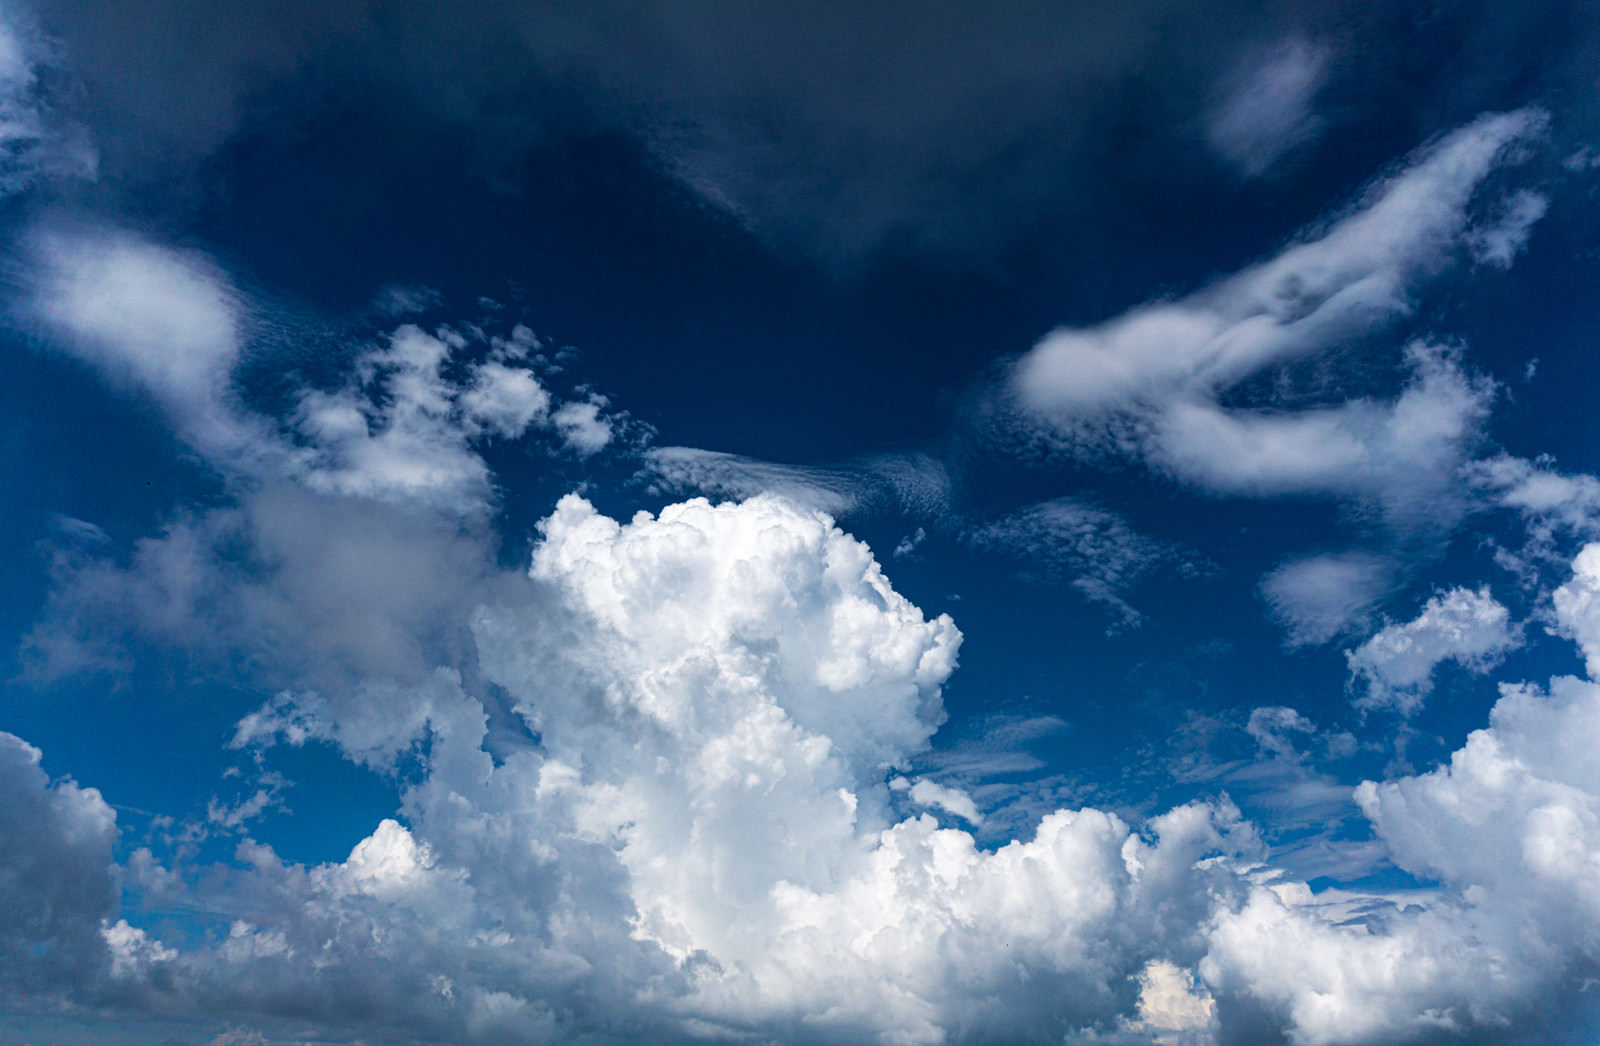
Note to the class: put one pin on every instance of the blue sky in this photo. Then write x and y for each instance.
(884, 523)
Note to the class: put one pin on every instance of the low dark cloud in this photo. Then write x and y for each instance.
(829, 129)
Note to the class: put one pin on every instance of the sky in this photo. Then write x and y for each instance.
(886, 523)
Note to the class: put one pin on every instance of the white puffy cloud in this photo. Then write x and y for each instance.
(1555, 507)
(759, 576)
(405, 430)
(707, 838)
(504, 400)
(358, 534)
(1396, 665)
(1172, 1007)
(1393, 974)
(704, 838)
(932, 794)
(1553, 500)
(1509, 828)
(581, 425)
(697, 834)
(1514, 818)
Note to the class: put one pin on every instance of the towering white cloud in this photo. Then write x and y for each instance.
(705, 837)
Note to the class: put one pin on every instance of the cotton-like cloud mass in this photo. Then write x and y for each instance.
(1395, 667)
(1577, 607)
(1506, 826)
(744, 676)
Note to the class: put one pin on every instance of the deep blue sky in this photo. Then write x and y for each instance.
(1223, 372)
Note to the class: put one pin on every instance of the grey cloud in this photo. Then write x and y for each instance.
(57, 880)
(832, 129)
(287, 584)
(828, 127)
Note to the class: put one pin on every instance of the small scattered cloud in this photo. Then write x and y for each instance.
(910, 543)
(582, 427)
(1394, 669)
(1499, 241)
(405, 300)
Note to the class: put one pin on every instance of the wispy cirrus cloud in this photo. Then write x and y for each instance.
(1078, 543)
